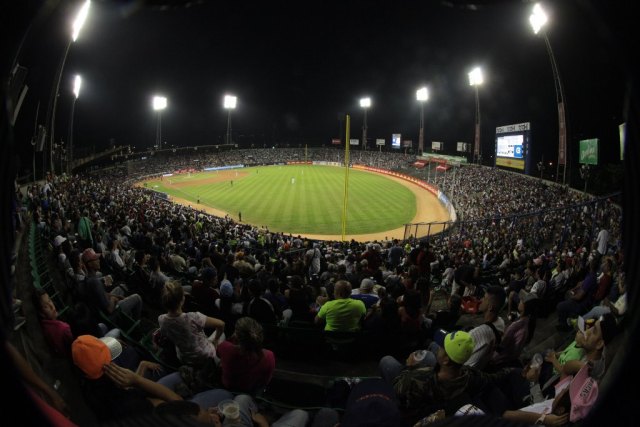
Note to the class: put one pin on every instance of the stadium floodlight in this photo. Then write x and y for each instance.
(422, 95)
(78, 23)
(77, 83)
(365, 103)
(229, 104)
(538, 20)
(476, 79)
(159, 103)
(81, 18)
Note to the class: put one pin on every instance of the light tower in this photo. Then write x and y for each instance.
(476, 79)
(159, 104)
(77, 83)
(422, 95)
(538, 20)
(230, 102)
(365, 103)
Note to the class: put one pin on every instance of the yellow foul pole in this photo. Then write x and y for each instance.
(346, 177)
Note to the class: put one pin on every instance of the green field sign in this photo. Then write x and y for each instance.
(589, 151)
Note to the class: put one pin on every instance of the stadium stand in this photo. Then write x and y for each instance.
(503, 239)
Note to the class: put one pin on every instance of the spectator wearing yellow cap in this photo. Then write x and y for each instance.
(422, 390)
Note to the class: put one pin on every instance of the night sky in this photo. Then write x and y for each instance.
(298, 67)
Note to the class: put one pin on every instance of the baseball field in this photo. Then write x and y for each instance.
(306, 199)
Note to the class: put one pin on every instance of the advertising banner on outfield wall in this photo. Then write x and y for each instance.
(324, 163)
(354, 141)
(335, 141)
(219, 168)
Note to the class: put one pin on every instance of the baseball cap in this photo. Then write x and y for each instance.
(226, 289)
(372, 402)
(90, 354)
(583, 392)
(89, 255)
(59, 240)
(114, 346)
(458, 345)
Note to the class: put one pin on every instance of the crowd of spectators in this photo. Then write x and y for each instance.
(121, 248)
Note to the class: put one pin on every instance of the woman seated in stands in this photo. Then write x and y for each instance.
(56, 332)
(518, 334)
(186, 330)
(411, 318)
(246, 366)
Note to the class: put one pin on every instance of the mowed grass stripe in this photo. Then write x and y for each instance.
(312, 205)
(313, 194)
(333, 199)
(262, 183)
(364, 206)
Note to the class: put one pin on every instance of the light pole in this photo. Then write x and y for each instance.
(77, 83)
(538, 19)
(475, 80)
(78, 23)
(422, 95)
(585, 171)
(159, 104)
(365, 103)
(230, 103)
(541, 167)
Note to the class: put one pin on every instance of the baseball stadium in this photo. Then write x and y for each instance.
(406, 261)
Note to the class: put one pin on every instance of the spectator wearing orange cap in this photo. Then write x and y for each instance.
(113, 392)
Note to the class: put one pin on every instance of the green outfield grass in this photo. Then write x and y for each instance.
(313, 204)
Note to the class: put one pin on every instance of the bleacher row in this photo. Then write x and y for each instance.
(296, 341)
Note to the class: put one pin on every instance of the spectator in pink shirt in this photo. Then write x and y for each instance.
(246, 366)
